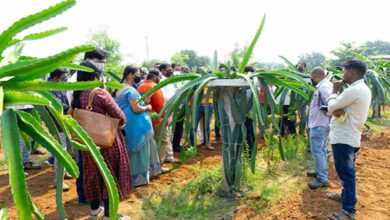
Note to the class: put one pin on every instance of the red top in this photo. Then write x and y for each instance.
(156, 100)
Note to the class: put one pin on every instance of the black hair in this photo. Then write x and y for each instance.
(163, 66)
(127, 71)
(233, 68)
(97, 53)
(174, 65)
(83, 76)
(151, 74)
(356, 65)
(58, 72)
(249, 69)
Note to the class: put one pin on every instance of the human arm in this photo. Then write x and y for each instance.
(339, 102)
(137, 108)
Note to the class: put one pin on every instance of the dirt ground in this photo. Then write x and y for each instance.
(373, 168)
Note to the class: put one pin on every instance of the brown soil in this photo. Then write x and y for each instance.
(373, 165)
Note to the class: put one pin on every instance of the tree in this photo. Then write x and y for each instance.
(376, 48)
(312, 59)
(194, 60)
(102, 40)
(180, 59)
(345, 52)
(237, 55)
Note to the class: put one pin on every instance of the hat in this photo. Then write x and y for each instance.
(145, 70)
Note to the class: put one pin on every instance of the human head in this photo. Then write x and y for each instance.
(301, 66)
(144, 72)
(317, 74)
(59, 75)
(165, 69)
(131, 75)
(176, 67)
(185, 69)
(354, 70)
(154, 75)
(83, 76)
(249, 69)
(97, 57)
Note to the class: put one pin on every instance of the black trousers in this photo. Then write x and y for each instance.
(250, 134)
(287, 124)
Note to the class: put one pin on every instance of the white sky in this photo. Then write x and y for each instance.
(292, 27)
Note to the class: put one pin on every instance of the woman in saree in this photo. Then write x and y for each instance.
(140, 144)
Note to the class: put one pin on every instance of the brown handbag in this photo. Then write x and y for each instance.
(101, 128)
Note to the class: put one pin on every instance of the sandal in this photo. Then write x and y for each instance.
(341, 215)
(99, 215)
(31, 166)
(334, 196)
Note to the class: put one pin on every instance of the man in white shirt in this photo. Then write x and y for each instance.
(168, 92)
(319, 127)
(350, 112)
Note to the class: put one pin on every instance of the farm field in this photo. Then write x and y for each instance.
(291, 200)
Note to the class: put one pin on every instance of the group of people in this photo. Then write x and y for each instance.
(135, 157)
(340, 116)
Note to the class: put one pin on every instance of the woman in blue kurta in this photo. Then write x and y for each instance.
(141, 146)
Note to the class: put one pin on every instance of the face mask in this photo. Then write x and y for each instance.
(176, 73)
(137, 79)
(157, 79)
(314, 83)
(301, 69)
(64, 79)
(99, 66)
(169, 74)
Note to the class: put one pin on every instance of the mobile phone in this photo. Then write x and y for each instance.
(324, 108)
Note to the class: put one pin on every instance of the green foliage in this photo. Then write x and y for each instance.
(102, 40)
(313, 59)
(345, 52)
(236, 97)
(20, 85)
(193, 60)
(251, 47)
(180, 59)
(377, 47)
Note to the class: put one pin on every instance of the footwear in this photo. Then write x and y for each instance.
(50, 161)
(210, 147)
(165, 170)
(334, 196)
(315, 184)
(178, 149)
(97, 214)
(65, 187)
(31, 166)
(173, 160)
(67, 176)
(342, 215)
(36, 152)
(311, 173)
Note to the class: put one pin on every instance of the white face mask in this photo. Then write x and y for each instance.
(176, 73)
(99, 66)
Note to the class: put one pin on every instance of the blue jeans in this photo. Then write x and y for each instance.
(25, 152)
(201, 113)
(318, 138)
(344, 160)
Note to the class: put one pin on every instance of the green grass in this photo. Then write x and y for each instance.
(199, 198)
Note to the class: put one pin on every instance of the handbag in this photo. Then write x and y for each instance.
(101, 128)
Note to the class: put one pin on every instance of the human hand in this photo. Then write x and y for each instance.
(148, 108)
(337, 86)
(338, 113)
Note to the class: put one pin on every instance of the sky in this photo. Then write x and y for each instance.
(291, 28)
